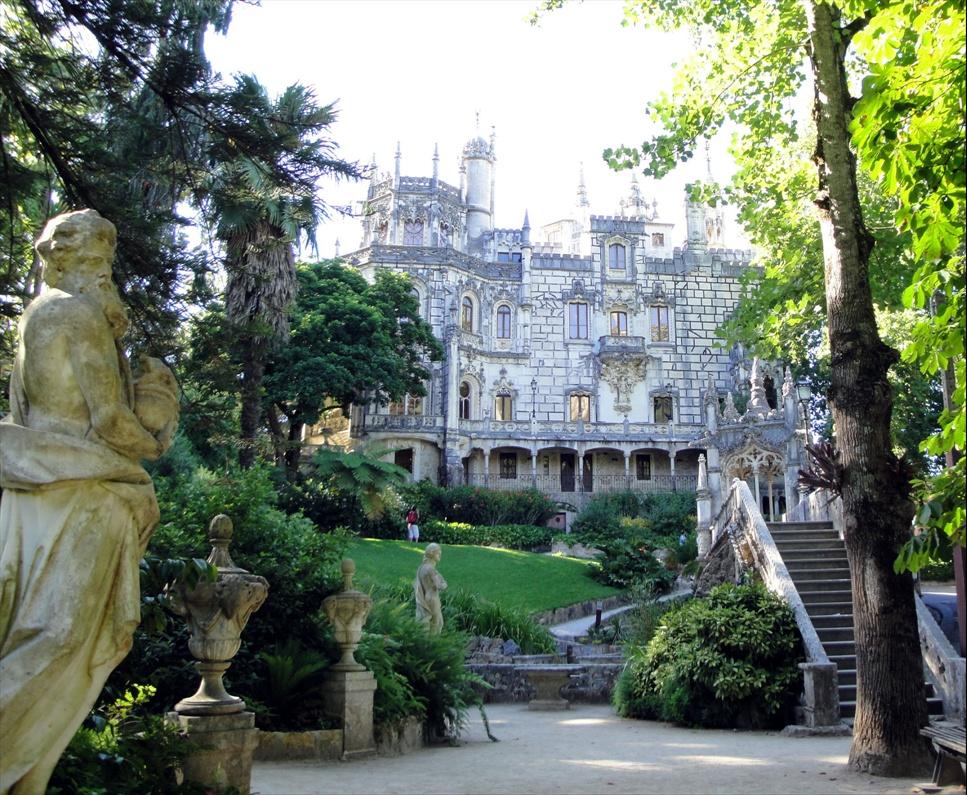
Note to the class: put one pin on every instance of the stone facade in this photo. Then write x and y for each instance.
(579, 363)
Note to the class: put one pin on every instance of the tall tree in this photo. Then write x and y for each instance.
(263, 201)
(352, 343)
(907, 125)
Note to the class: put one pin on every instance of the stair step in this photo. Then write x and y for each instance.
(840, 648)
(809, 583)
(832, 620)
(780, 536)
(825, 596)
(846, 676)
(834, 569)
(828, 609)
(843, 662)
(832, 634)
(794, 526)
(788, 546)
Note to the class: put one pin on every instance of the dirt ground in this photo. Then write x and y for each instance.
(588, 750)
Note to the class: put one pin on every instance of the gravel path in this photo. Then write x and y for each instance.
(589, 750)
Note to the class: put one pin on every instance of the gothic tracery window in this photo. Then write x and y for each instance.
(660, 327)
(464, 400)
(466, 314)
(664, 412)
(413, 233)
(579, 407)
(503, 322)
(503, 408)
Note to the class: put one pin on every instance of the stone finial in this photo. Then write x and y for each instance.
(731, 413)
(525, 230)
(347, 611)
(788, 385)
(702, 483)
(397, 158)
(582, 190)
(436, 162)
(758, 405)
(216, 613)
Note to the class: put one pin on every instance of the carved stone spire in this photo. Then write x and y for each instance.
(582, 200)
(758, 405)
(436, 162)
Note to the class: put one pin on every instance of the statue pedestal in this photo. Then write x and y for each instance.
(225, 743)
(348, 697)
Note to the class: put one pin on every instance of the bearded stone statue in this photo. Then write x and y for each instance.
(77, 507)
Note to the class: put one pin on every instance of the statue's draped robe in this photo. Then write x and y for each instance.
(75, 518)
(426, 591)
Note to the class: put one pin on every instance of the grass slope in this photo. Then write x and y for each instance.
(511, 578)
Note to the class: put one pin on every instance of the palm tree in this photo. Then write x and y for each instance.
(262, 203)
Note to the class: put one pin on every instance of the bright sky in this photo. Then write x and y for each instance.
(418, 71)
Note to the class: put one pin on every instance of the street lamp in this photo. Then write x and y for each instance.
(533, 398)
(804, 395)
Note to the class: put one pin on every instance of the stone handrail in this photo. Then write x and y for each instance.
(742, 521)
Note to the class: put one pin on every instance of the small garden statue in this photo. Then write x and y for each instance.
(429, 582)
(77, 508)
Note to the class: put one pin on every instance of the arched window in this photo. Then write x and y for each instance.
(464, 400)
(616, 256)
(664, 409)
(466, 314)
(579, 407)
(413, 233)
(770, 387)
(503, 322)
(619, 324)
(503, 408)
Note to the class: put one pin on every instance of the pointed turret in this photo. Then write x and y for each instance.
(582, 198)
(396, 170)
(525, 230)
(436, 164)
(478, 163)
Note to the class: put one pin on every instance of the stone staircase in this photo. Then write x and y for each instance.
(816, 559)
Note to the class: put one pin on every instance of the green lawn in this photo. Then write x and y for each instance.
(511, 578)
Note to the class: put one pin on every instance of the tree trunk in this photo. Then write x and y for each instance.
(293, 450)
(278, 436)
(253, 368)
(877, 511)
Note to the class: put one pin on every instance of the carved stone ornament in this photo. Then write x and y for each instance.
(622, 374)
(347, 611)
(216, 613)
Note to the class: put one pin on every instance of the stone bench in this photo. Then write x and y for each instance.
(548, 680)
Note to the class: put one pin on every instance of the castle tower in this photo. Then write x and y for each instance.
(478, 162)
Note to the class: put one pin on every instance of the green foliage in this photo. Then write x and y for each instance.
(300, 564)
(474, 505)
(417, 673)
(643, 620)
(351, 343)
(361, 475)
(729, 660)
(512, 536)
(624, 565)
(656, 518)
(331, 508)
(467, 612)
(291, 689)
(123, 749)
(511, 578)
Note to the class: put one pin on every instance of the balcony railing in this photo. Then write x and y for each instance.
(562, 485)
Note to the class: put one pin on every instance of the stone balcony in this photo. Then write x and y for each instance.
(601, 433)
(621, 346)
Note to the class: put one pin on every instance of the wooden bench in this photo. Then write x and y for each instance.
(949, 743)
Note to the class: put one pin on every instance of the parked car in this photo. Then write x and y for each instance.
(943, 608)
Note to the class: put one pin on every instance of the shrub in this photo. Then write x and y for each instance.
(122, 749)
(290, 689)
(512, 536)
(475, 505)
(417, 673)
(729, 660)
(469, 613)
(655, 518)
(624, 565)
(300, 564)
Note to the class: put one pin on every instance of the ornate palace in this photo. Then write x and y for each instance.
(580, 357)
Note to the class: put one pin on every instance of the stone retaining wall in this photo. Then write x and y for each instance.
(509, 683)
(325, 745)
(579, 610)
(322, 744)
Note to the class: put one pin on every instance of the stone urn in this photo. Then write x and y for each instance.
(216, 613)
(347, 611)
